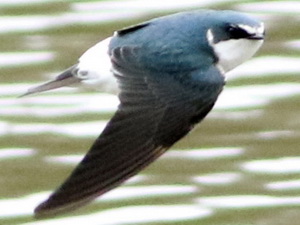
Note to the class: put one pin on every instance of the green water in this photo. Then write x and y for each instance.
(241, 166)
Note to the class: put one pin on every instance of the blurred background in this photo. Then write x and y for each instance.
(241, 166)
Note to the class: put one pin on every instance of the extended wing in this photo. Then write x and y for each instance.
(64, 79)
(156, 110)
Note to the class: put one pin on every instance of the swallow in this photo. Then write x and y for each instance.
(168, 73)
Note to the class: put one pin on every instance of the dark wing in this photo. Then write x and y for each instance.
(156, 110)
(64, 79)
(133, 28)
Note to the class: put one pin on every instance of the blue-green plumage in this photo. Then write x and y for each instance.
(173, 42)
(170, 72)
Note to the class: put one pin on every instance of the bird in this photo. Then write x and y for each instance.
(168, 73)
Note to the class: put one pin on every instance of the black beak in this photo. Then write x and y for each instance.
(257, 36)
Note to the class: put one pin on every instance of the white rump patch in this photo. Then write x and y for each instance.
(95, 68)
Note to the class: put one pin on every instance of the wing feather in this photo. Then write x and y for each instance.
(156, 110)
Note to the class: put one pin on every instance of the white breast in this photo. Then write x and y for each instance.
(233, 52)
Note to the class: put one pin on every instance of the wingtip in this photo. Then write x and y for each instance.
(52, 208)
(31, 91)
(40, 212)
(44, 210)
(25, 94)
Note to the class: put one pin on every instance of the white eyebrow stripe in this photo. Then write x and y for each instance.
(252, 30)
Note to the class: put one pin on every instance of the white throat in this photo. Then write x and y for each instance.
(233, 52)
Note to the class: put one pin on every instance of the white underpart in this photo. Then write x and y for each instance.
(94, 68)
(234, 52)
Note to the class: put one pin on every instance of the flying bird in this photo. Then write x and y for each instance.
(169, 72)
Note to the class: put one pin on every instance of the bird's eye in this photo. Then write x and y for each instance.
(237, 32)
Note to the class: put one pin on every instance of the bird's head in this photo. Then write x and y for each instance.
(234, 37)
